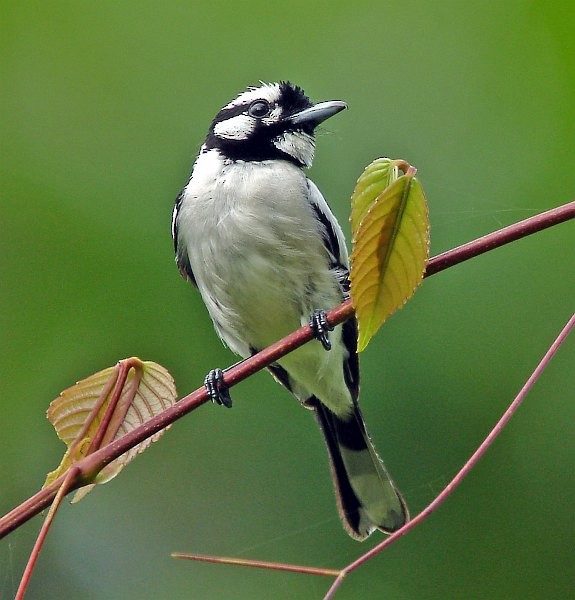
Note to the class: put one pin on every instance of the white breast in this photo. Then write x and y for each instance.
(255, 249)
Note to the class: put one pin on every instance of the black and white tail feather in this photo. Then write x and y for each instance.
(259, 241)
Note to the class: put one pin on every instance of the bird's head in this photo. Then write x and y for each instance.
(273, 121)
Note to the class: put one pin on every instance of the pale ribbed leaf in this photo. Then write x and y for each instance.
(390, 248)
(105, 406)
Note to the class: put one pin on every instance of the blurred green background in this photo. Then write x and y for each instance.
(103, 108)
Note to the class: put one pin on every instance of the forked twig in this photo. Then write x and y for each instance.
(61, 494)
(466, 467)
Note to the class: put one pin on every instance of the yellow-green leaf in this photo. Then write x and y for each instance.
(375, 178)
(390, 249)
(105, 406)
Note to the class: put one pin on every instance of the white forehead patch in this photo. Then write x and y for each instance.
(239, 127)
(268, 91)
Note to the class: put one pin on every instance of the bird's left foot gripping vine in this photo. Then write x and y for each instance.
(217, 389)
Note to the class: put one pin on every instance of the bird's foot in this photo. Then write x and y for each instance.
(217, 389)
(320, 327)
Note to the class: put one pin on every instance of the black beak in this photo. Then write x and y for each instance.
(317, 113)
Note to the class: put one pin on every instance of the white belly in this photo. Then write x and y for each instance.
(259, 261)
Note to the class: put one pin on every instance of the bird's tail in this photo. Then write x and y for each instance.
(366, 496)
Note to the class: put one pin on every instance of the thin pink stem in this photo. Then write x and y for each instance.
(260, 564)
(466, 467)
(63, 490)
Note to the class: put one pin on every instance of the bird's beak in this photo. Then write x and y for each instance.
(317, 113)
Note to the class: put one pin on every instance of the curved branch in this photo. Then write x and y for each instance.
(501, 237)
(86, 468)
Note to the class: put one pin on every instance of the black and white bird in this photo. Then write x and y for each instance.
(258, 240)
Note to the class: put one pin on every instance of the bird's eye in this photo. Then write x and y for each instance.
(259, 109)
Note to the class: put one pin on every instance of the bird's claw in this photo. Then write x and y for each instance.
(217, 389)
(320, 327)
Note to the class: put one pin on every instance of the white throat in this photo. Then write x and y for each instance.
(298, 144)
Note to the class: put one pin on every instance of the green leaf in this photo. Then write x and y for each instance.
(375, 178)
(105, 406)
(390, 244)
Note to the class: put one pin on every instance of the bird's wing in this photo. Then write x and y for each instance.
(333, 238)
(334, 242)
(181, 251)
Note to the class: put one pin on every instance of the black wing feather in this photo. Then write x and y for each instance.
(330, 239)
(182, 259)
(349, 329)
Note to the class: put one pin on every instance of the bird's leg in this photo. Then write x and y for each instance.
(217, 389)
(320, 327)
